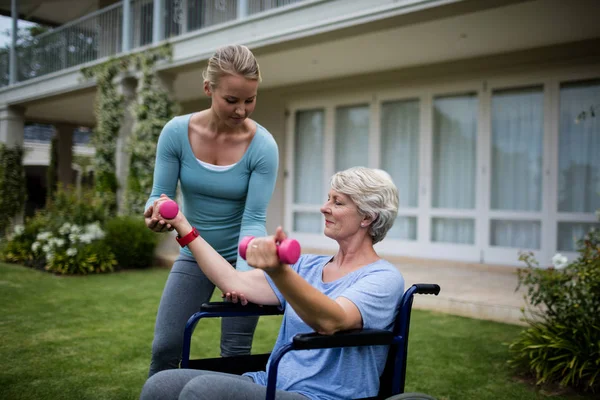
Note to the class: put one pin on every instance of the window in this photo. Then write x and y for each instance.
(351, 137)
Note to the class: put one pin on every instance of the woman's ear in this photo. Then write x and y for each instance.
(366, 221)
(207, 88)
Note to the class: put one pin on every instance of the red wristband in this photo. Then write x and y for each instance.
(184, 241)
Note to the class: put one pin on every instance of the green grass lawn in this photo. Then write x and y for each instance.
(90, 338)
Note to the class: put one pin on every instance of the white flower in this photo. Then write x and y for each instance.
(19, 229)
(46, 248)
(59, 242)
(86, 238)
(559, 261)
(44, 235)
(74, 237)
(71, 252)
(35, 246)
(65, 228)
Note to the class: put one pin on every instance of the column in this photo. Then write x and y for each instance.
(14, 12)
(64, 133)
(126, 45)
(158, 21)
(12, 125)
(242, 9)
(127, 86)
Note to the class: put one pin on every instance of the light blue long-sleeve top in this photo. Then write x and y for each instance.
(224, 205)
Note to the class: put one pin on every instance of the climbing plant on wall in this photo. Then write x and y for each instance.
(13, 192)
(52, 173)
(109, 115)
(152, 110)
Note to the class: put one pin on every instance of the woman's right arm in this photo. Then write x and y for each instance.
(253, 284)
(166, 173)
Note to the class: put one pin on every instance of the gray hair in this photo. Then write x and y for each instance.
(231, 60)
(375, 195)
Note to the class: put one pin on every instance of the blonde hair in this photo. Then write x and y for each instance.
(231, 60)
(375, 195)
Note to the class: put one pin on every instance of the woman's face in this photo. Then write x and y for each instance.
(342, 218)
(234, 98)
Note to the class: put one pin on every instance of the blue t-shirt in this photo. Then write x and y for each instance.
(224, 205)
(344, 373)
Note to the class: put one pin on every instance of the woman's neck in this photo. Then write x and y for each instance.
(352, 257)
(217, 126)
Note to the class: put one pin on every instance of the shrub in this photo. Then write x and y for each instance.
(74, 249)
(131, 241)
(17, 249)
(76, 207)
(562, 343)
(13, 191)
(66, 237)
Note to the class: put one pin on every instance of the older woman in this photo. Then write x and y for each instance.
(353, 289)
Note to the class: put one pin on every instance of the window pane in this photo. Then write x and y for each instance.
(400, 148)
(570, 232)
(308, 159)
(517, 149)
(404, 228)
(351, 137)
(454, 152)
(518, 234)
(308, 222)
(579, 148)
(453, 230)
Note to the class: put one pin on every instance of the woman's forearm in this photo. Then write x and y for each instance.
(252, 284)
(318, 311)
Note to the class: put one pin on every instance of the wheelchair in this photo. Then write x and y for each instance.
(391, 382)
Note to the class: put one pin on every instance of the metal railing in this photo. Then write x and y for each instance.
(100, 34)
(87, 39)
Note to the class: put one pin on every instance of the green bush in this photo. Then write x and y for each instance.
(76, 207)
(131, 241)
(562, 343)
(13, 192)
(66, 237)
(74, 249)
(17, 249)
(94, 257)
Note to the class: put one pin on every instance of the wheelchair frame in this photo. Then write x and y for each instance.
(392, 380)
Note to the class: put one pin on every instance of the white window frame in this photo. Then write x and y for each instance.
(482, 87)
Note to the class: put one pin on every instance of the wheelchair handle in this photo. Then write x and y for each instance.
(427, 288)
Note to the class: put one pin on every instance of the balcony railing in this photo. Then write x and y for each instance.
(100, 34)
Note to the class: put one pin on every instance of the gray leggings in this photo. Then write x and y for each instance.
(187, 288)
(188, 384)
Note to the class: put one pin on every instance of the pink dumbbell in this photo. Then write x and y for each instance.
(288, 251)
(168, 209)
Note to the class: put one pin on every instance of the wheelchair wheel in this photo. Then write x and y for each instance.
(411, 396)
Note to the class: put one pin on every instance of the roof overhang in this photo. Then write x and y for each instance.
(53, 12)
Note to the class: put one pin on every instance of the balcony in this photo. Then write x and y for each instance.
(108, 32)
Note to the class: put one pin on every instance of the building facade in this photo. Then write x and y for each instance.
(484, 112)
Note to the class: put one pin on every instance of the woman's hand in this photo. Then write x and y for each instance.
(235, 297)
(262, 252)
(155, 222)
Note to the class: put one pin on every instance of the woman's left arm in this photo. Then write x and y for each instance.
(324, 314)
(320, 312)
(260, 190)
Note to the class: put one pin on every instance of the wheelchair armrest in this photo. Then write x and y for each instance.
(358, 337)
(250, 308)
